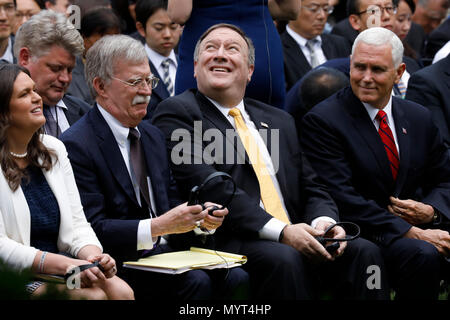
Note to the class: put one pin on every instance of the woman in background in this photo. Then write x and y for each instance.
(255, 17)
(40, 210)
(402, 25)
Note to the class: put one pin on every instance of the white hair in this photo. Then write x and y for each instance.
(45, 29)
(378, 36)
(103, 56)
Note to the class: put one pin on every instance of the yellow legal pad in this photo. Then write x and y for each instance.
(182, 261)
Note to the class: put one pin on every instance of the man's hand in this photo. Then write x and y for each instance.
(215, 220)
(302, 237)
(335, 233)
(180, 219)
(411, 211)
(439, 238)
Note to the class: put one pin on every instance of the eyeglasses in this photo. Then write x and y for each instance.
(9, 8)
(315, 9)
(150, 81)
(376, 10)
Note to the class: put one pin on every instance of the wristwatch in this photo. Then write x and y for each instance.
(436, 216)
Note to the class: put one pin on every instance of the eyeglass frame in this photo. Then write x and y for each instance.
(316, 11)
(382, 9)
(139, 82)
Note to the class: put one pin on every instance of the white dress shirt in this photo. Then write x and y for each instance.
(144, 236)
(272, 229)
(302, 44)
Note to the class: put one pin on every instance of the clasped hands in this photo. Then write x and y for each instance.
(92, 276)
(303, 238)
(417, 213)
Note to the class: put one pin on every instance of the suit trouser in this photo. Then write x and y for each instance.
(278, 271)
(415, 268)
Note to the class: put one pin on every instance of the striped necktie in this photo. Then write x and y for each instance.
(166, 77)
(402, 88)
(269, 195)
(314, 59)
(389, 144)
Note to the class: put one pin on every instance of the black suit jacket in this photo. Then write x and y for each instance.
(78, 86)
(344, 29)
(76, 108)
(430, 87)
(105, 186)
(304, 197)
(345, 149)
(295, 63)
(437, 39)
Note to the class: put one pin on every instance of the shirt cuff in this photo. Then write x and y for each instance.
(145, 241)
(272, 230)
(322, 218)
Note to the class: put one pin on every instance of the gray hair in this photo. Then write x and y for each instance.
(45, 29)
(251, 47)
(102, 57)
(378, 36)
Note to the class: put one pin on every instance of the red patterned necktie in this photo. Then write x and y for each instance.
(389, 144)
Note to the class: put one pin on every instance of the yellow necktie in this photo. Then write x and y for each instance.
(269, 194)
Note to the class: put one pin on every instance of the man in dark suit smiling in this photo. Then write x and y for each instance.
(279, 207)
(386, 165)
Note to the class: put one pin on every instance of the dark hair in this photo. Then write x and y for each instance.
(146, 8)
(352, 7)
(248, 41)
(410, 4)
(320, 83)
(38, 154)
(99, 20)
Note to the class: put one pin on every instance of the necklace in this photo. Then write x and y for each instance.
(19, 155)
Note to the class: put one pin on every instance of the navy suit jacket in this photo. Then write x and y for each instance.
(430, 87)
(105, 186)
(345, 149)
(304, 197)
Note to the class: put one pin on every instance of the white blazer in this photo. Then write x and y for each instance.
(74, 231)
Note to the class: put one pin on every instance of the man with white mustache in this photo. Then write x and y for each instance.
(47, 45)
(122, 172)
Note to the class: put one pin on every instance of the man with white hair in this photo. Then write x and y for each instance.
(386, 166)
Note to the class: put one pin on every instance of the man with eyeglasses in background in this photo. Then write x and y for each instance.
(304, 44)
(365, 14)
(7, 12)
(122, 171)
(25, 9)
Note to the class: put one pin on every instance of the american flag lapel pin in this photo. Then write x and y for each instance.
(265, 125)
(404, 131)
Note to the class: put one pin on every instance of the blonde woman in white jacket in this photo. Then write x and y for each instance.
(42, 223)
